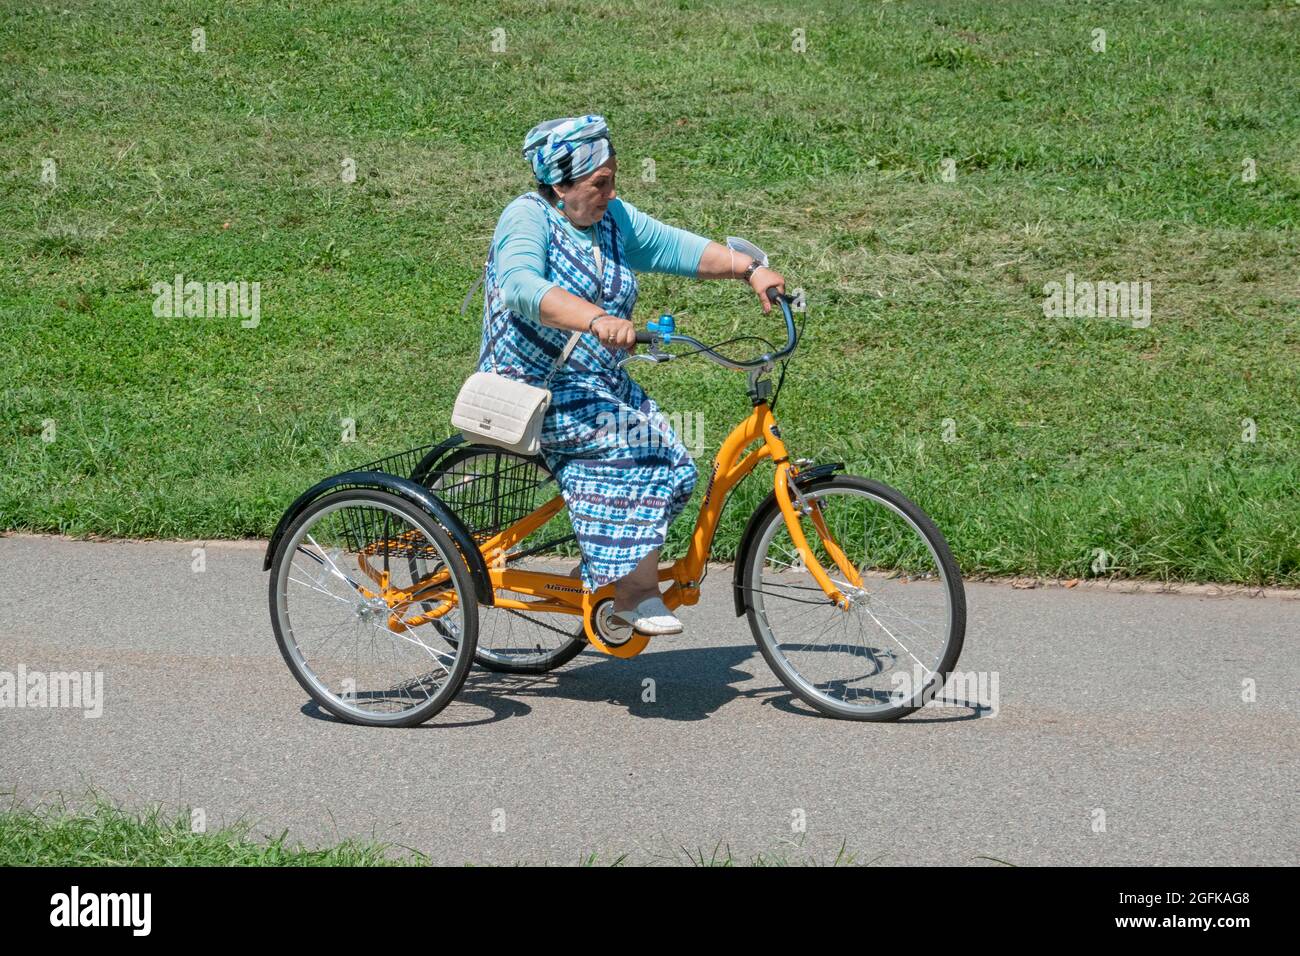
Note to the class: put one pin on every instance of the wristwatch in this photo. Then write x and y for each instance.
(753, 265)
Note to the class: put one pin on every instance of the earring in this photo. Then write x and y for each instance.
(559, 204)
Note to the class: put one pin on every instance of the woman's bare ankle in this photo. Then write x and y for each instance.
(625, 601)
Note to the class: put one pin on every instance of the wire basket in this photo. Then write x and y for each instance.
(403, 463)
(373, 532)
(487, 488)
(491, 489)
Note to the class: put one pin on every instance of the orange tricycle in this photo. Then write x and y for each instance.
(389, 580)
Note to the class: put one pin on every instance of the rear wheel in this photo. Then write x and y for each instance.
(893, 648)
(489, 488)
(346, 580)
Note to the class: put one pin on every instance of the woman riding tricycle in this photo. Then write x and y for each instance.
(389, 580)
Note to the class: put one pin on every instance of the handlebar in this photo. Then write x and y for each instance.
(776, 297)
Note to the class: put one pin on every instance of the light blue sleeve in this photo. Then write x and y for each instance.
(653, 246)
(520, 242)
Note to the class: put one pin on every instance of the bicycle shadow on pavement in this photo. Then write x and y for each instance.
(683, 684)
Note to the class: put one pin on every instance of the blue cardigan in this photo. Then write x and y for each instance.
(522, 233)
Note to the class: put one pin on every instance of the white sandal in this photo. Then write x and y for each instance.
(651, 616)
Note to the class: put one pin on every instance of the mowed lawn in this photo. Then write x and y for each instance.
(818, 130)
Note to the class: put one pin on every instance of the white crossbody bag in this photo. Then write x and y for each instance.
(503, 411)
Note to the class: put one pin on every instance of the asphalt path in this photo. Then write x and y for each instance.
(1123, 728)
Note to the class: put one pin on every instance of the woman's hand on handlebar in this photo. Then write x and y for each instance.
(615, 332)
(762, 280)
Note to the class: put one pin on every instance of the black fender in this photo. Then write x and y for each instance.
(807, 479)
(435, 455)
(405, 488)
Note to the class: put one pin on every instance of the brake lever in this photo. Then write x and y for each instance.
(654, 358)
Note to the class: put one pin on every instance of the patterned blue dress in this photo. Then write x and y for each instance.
(622, 471)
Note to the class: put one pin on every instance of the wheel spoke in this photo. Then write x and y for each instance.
(330, 594)
(418, 643)
(878, 604)
(900, 643)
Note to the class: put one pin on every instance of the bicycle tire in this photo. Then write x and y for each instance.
(769, 645)
(450, 556)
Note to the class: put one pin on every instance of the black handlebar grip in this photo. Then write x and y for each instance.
(644, 338)
(772, 293)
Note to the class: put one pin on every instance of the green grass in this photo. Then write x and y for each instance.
(100, 832)
(924, 295)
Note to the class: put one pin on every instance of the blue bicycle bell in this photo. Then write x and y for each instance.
(664, 328)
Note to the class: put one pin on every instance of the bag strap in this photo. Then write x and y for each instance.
(600, 298)
(573, 339)
(563, 356)
(482, 278)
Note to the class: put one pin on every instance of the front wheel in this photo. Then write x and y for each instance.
(893, 648)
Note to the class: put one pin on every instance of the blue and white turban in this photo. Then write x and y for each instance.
(567, 148)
